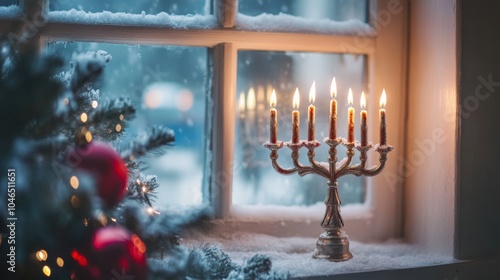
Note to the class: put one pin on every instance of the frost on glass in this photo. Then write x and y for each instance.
(8, 2)
(338, 10)
(174, 7)
(168, 87)
(255, 180)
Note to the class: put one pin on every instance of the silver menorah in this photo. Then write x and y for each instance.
(333, 244)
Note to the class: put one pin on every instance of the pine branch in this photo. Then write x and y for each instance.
(154, 140)
(87, 67)
(104, 119)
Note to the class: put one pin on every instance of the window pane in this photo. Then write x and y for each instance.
(255, 180)
(338, 10)
(174, 7)
(8, 2)
(168, 86)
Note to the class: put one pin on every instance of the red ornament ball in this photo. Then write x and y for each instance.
(115, 254)
(107, 168)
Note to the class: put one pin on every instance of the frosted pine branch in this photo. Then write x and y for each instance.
(87, 67)
(154, 140)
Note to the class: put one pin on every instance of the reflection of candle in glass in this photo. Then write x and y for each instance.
(311, 117)
(295, 117)
(350, 118)
(241, 105)
(274, 120)
(333, 110)
(364, 126)
(383, 132)
(251, 104)
(251, 99)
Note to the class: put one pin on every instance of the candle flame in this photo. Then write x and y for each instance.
(296, 99)
(333, 88)
(362, 102)
(273, 99)
(312, 93)
(251, 99)
(350, 98)
(241, 103)
(383, 99)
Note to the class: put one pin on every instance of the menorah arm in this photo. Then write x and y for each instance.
(345, 166)
(281, 170)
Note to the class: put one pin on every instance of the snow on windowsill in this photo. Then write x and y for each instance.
(296, 213)
(288, 23)
(10, 12)
(162, 19)
(293, 254)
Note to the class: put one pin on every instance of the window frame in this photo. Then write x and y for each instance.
(386, 53)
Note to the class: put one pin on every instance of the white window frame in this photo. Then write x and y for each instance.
(386, 53)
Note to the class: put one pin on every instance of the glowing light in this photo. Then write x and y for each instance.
(273, 99)
(94, 104)
(350, 98)
(122, 117)
(60, 262)
(184, 100)
(85, 222)
(362, 102)
(241, 102)
(296, 99)
(118, 128)
(103, 219)
(383, 99)
(82, 260)
(42, 255)
(144, 189)
(46, 270)
(251, 102)
(312, 93)
(131, 158)
(88, 136)
(154, 98)
(152, 211)
(333, 88)
(139, 245)
(73, 181)
(66, 101)
(83, 117)
(114, 220)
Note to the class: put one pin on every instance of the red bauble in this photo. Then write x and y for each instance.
(115, 254)
(107, 168)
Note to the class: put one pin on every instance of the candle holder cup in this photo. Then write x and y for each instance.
(333, 244)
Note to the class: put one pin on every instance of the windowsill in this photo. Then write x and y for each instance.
(293, 254)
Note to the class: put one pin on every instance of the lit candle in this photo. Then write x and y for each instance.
(383, 132)
(364, 126)
(333, 110)
(311, 117)
(350, 118)
(295, 117)
(241, 105)
(274, 119)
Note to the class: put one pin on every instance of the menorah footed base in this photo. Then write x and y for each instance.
(333, 245)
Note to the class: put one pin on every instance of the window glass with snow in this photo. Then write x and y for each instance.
(171, 7)
(338, 10)
(259, 72)
(167, 85)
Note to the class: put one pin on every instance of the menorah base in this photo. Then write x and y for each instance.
(333, 246)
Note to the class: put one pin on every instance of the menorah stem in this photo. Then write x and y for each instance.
(332, 244)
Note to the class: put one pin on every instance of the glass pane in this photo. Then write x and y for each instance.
(255, 180)
(8, 2)
(338, 10)
(168, 86)
(174, 7)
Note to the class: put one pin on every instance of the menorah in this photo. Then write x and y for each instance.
(333, 243)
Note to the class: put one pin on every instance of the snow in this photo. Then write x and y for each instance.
(9, 12)
(293, 254)
(286, 22)
(162, 19)
(297, 213)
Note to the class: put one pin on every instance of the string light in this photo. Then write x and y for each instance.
(122, 117)
(46, 270)
(42, 255)
(118, 128)
(85, 222)
(73, 181)
(144, 189)
(83, 117)
(114, 220)
(75, 201)
(131, 157)
(88, 136)
(60, 262)
(66, 101)
(94, 104)
(152, 211)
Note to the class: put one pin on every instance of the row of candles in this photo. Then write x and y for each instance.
(311, 117)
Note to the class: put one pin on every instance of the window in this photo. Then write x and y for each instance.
(362, 39)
